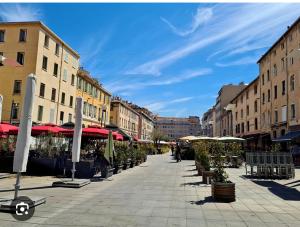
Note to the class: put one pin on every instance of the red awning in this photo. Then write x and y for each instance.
(43, 129)
(119, 137)
(95, 131)
(135, 138)
(6, 127)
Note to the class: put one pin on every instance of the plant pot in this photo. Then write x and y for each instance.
(42, 166)
(207, 176)
(223, 192)
(132, 163)
(118, 168)
(200, 171)
(126, 165)
(107, 172)
(138, 162)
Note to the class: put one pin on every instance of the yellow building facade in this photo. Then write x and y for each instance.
(96, 106)
(40, 51)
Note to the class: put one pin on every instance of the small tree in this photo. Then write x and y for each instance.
(218, 150)
(157, 136)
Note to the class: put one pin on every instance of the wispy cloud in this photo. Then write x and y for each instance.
(159, 106)
(242, 61)
(19, 12)
(241, 26)
(129, 83)
(202, 16)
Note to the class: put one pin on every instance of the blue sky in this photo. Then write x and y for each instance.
(171, 58)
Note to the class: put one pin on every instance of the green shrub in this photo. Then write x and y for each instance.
(201, 149)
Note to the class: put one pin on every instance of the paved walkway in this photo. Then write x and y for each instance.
(158, 193)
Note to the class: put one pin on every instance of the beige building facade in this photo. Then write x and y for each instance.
(279, 70)
(125, 117)
(40, 51)
(208, 123)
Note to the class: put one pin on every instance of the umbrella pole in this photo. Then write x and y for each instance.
(17, 185)
(73, 171)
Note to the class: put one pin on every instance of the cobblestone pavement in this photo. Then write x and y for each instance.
(157, 193)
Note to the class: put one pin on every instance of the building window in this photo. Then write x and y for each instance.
(291, 38)
(73, 80)
(263, 98)
(255, 106)
(15, 111)
(255, 89)
(63, 97)
(283, 87)
(247, 95)
(71, 101)
(276, 116)
(282, 64)
(275, 70)
(70, 118)
(263, 79)
(53, 95)
(269, 95)
(22, 35)
(248, 126)
(55, 69)
(275, 92)
(61, 117)
(65, 75)
(291, 60)
(293, 111)
(17, 87)
(20, 58)
(283, 113)
(57, 49)
(243, 127)
(2, 36)
(292, 83)
(242, 113)
(247, 110)
(274, 134)
(42, 90)
(282, 45)
(45, 63)
(255, 123)
(268, 75)
(46, 41)
(40, 113)
(236, 115)
(66, 57)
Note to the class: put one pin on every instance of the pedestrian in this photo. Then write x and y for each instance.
(172, 149)
(178, 153)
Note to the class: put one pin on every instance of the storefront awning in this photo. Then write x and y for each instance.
(288, 137)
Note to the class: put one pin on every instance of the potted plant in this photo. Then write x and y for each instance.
(222, 189)
(119, 158)
(234, 151)
(132, 156)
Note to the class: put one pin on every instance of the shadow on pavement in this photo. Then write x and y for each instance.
(24, 189)
(194, 175)
(192, 183)
(280, 190)
(192, 170)
(208, 199)
(293, 182)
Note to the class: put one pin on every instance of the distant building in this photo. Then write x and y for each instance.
(208, 122)
(175, 128)
(225, 95)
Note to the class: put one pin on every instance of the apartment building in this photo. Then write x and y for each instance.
(96, 99)
(279, 74)
(40, 51)
(225, 95)
(175, 128)
(146, 122)
(124, 117)
(208, 122)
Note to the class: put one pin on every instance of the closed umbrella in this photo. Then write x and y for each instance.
(23, 140)
(109, 149)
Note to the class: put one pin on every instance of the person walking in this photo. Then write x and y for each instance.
(178, 153)
(172, 149)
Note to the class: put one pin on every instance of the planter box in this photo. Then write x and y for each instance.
(223, 192)
(132, 164)
(85, 169)
(138, 162)
(6, 164)
(42, 166)
(207, 176)
(126, 165)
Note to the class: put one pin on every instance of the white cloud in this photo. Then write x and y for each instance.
(202, 16)
(242, 61)
(129, 83)
(19, 12)
(234, 25)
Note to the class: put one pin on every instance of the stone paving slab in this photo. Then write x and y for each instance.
(158, 193)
